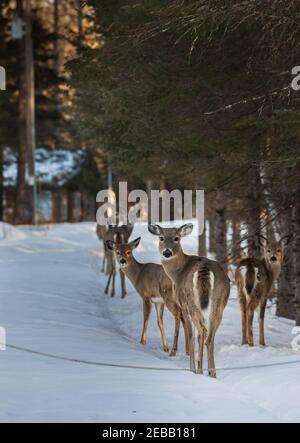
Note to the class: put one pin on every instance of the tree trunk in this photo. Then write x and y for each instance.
(56, 205)
(212, 231)
(221, 231)
(20, 215)
(236, 241)
(70, 206)
(286, 281)
(56, 65)
(253, 213)
(202, 242)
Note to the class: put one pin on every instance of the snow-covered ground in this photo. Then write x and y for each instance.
(52, 300)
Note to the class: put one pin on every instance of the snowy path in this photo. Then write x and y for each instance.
(52, 300)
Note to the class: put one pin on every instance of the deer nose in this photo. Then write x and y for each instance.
(122, 261)
(167, 253)
(273, 258)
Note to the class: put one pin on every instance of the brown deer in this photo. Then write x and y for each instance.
(101, 231)
(124, 233)
(254, 279)
(153, 285)
(202, 289)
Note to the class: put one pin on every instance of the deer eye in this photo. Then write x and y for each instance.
(118, 252)
(278, 250)
(161, 239)
(269, 250)
(176, 239)
(127, 252)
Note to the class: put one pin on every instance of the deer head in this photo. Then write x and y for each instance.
(123, 251)
(273, 251)
(169, 239)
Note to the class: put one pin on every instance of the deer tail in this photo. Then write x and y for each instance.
(250, 278)
(203, 283)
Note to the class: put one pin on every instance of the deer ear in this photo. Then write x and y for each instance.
(186, 229)
(286, 239)
(154, 229)
(134, 244)
(110, 245)
(262, 240)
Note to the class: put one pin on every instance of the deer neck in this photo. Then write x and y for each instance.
(174, 265)
(133, 269)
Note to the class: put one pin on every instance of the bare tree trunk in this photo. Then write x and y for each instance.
(236, 241)
(221, 231)
(297, 256)
(149, 186)
(56, 205)
(20, 204)
(212, 231)
(286, 282)
(202, 250)
(70, 206)
(56, 65)
(253, 213)
(83, 216)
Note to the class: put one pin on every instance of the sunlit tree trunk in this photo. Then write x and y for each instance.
(221, 230)
(212, 230)
(253, 212)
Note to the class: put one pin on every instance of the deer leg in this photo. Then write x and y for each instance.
(123, 286)
(250, 315)
(244, 321)
(160, 314)
(176, 311)
(201, 337)
(147, 310)
(112, 294)
(176, 335)
(214, 322)
(186, 336)
(199, 323)
(103, 262)
(189, 327)
(262, 310)
(108, 283)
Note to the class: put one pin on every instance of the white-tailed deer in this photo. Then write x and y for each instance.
(153, 285)
(202, 289)
(101, 231)
(254, 279)
(124, 233)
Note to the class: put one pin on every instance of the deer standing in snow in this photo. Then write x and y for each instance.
(254, 279)
(153, 285)
(202, 289)
(101, 231)
(124, 233)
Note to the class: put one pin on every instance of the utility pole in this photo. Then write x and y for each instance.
(30, 109)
